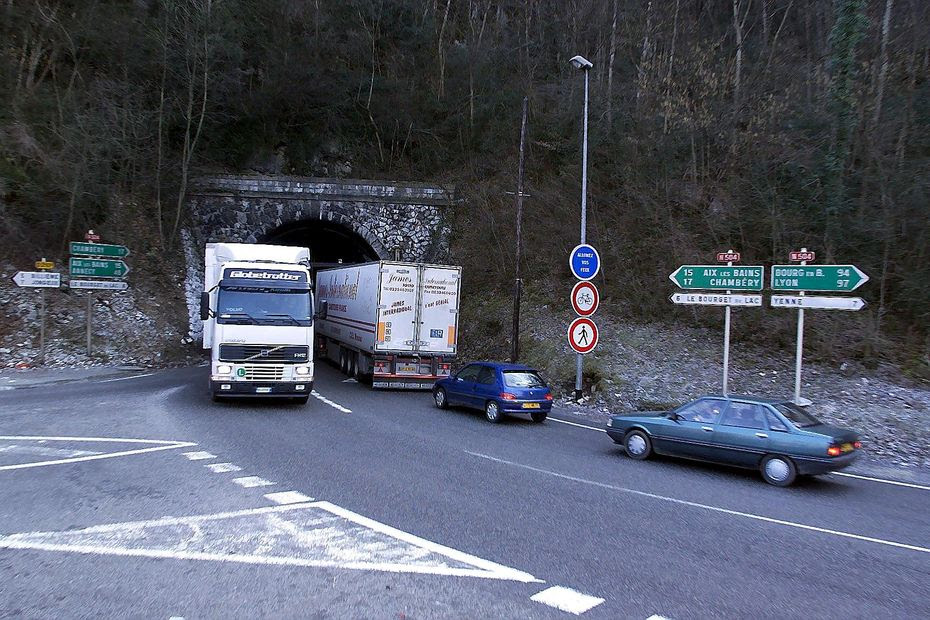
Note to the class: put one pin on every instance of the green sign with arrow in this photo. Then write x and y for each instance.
(99, 249)
(825, 278)
(718, 278)
(97, 268)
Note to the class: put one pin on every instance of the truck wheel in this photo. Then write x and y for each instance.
(343, 363)
(215, 397)
(301, 400)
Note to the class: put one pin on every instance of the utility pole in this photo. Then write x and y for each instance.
(518, 283)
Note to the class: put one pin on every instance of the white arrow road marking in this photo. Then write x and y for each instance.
(317, 534)
(683, 502)
(156, 445)
(566, 599)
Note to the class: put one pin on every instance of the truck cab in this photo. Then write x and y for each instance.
(258, 321)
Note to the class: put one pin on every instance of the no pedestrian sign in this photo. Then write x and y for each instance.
(584, 261)
(585, 298)
(582, 335)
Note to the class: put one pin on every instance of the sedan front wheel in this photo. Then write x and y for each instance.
(439, 396)
(638, 445)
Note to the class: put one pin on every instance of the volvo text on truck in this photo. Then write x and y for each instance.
(257, 309)
(391, 322)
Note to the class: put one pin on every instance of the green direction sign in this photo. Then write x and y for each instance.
(825, 278)
(99, 249)
(718, 278)
(97, 268)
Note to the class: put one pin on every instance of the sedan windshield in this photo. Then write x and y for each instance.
(523, 378)
(264, 306)
(796, 415)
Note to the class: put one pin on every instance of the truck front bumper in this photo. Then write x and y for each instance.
(261, 388)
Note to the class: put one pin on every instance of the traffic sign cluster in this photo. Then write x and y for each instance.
(585, 263)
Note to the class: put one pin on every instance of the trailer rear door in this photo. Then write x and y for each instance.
(397, 308)
(439, 309)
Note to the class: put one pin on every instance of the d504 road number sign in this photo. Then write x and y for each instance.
(718, 278)
(715, 299)
(825, 278)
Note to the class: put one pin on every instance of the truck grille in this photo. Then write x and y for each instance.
(263, 372)
(264, 353)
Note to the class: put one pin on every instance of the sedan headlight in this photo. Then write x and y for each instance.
(302, 370)
(223, 369)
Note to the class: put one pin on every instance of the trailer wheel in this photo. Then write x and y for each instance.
(343, 362)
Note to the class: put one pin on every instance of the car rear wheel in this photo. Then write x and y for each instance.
(440, 398)
(638, 445)
(492, 411)
(539, 416)
(778, 470)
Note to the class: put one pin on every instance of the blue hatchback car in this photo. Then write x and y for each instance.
(496, 389)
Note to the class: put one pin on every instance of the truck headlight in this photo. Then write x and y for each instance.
(223, 369)
(302, 370)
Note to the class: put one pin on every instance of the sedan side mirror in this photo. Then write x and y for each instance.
(674, 417)
(204, 306)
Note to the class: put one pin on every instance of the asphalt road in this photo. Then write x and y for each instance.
(367, 504)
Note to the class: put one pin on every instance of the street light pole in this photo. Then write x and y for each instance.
(518, 283)
(581, 63)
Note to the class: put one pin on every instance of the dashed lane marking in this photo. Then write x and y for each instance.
(250, 482)
(682, 502)
(566, 599)
(657, 617)
(590, 428)
(317, 534)
(332, 404)
(155, 446)
(222, 468)
(199, 456)
(288, 497)
(148, 374)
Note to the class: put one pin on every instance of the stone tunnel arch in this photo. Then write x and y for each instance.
(330, 242)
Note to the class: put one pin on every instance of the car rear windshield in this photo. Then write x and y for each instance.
(522, 378)
(796, 415)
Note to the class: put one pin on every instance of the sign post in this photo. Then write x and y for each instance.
(40, 280)
(92, 259)
(585, 263)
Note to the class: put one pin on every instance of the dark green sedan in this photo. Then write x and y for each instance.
(776, 437)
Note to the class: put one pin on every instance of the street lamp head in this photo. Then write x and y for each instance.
(580, 62)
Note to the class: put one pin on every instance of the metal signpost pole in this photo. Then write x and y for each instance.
(726, 339)
(584, 213)
(42, 326)
(89, 295)
(798, 354)
(518, 284)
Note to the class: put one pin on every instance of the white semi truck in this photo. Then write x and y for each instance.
(257, 309)
(391, 322)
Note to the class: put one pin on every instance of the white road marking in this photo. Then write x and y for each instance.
(222, 468)
(316, 534)
(832, 473)
(18, 449)
(350, 380)
(735, 513)
(882, 480)
(148, 374)
(657, 617)
(199, 456)
(566, 599)
(250, 482)
(590, 428)
(288, 497)
(159, 445)
(336, 406)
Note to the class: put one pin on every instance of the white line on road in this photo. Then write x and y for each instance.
(163, 445)
(222, 468)
(833, 473)
(252, 481)
(45, 451)
(683, 502)
(656, 617)
(288, 497)
(336, 406)
(148, 374)
(199, 456)
(566, 599)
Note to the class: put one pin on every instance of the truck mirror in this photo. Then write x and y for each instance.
(204, 306)
(324, 310)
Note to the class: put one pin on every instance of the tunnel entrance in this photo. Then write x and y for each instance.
(330, 244)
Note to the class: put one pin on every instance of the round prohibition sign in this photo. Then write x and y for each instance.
(582, 335)
(585, 298)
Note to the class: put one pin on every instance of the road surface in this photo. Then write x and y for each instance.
(137, 496)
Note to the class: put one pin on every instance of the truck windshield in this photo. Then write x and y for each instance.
(264, 306)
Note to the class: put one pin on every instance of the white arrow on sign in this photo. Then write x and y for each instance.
(712, 299)
(108, 285)
(37, 279)
(818, 303)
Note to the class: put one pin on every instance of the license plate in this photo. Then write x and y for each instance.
(263, 390)
(407, 369)
(531, 405)
(847, 447)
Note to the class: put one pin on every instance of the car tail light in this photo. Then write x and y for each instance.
(857, 444)
(508, 396)
(548, 396)
(833, 451)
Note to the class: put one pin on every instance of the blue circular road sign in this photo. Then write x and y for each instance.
(584, 261)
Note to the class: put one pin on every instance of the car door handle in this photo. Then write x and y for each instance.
(709, 429)
(762, 436)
